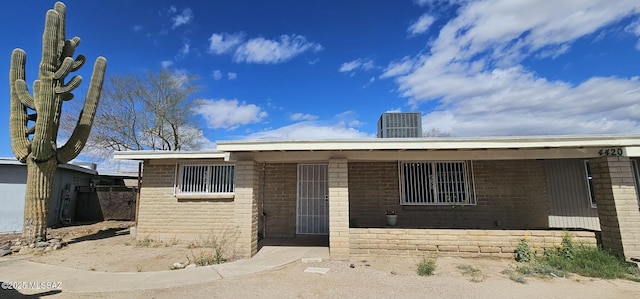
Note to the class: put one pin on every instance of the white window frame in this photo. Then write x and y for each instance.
(589, 181)
(428, 186)
(208, 180)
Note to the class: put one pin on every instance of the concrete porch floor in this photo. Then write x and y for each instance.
(297, 241)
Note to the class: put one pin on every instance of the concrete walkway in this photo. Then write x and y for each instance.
(82, 281)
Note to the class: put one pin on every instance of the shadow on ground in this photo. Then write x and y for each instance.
(7, 293)
(99, 235)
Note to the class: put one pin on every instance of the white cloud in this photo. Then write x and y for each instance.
(172, 9)
(360, 63)
(422, 24)
(137, 28)
(634, 28)
(165, 64)
(229, 114)
(303, 116)
(371, 80)
(342, 126)
(473, 72)
(181, 19)
(267, 51)
(310, 130)
(436, 3)
(397, 68)
(221, 43)
(232, 76)
(261, 50)
(217, 75)
(184, 51)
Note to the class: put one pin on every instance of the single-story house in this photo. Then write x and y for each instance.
(452, 196)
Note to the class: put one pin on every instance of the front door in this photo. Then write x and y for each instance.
(312, 216)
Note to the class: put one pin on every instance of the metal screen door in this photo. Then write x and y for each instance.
(312, 215)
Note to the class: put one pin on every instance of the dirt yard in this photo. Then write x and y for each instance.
(107, 246)
(118, 252)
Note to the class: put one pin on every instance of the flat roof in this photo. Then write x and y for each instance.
(157, 154)
(512, 142)
(232, 149)
(70, 166)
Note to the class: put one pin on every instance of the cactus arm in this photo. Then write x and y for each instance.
(69, 65)
(66, 96)
(23, 94)
(73, 84)
(78, 138)
(44, 139)
(61, 9)
(78, 63)
(20, 144)
(64, 69)
(70, 46)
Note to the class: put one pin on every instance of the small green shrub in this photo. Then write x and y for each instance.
(149, 242)
(474, 273)
(539, 269)
(426, 267)
(523, 251)
(145, 242)
(567, 249)
(568, 258)
(216, 247)
(591, 262)
(514, 275)
(206, 258)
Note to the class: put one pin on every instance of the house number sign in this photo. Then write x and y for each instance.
(610, 152)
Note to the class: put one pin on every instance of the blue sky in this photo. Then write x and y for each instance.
(329, 68)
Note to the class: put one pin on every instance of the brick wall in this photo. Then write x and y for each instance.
(510, 195)
(339, 209)
(245, 209)
(616, 198)
(161, 215)
(279, 200)
(455, 242)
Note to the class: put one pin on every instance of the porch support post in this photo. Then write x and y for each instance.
(338, 209)
(245, 213)
(617, 202)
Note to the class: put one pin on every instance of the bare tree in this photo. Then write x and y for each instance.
(435, 132)
(149, 112)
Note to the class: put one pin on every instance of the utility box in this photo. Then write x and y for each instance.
(400, 125)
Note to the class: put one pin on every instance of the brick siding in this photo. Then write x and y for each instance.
(162, 216)
(279, 200)
(510, 194)
(616, 198)
(455, 242)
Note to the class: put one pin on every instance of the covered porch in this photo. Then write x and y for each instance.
(510, 199)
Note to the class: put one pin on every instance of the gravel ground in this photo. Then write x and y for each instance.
(107, 247)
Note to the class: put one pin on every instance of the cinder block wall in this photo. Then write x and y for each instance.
(278, 200)
(162, 216)
(616, 197)
(455, 242)
(510, 194)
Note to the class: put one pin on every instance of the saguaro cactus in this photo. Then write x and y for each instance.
(37, 145)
